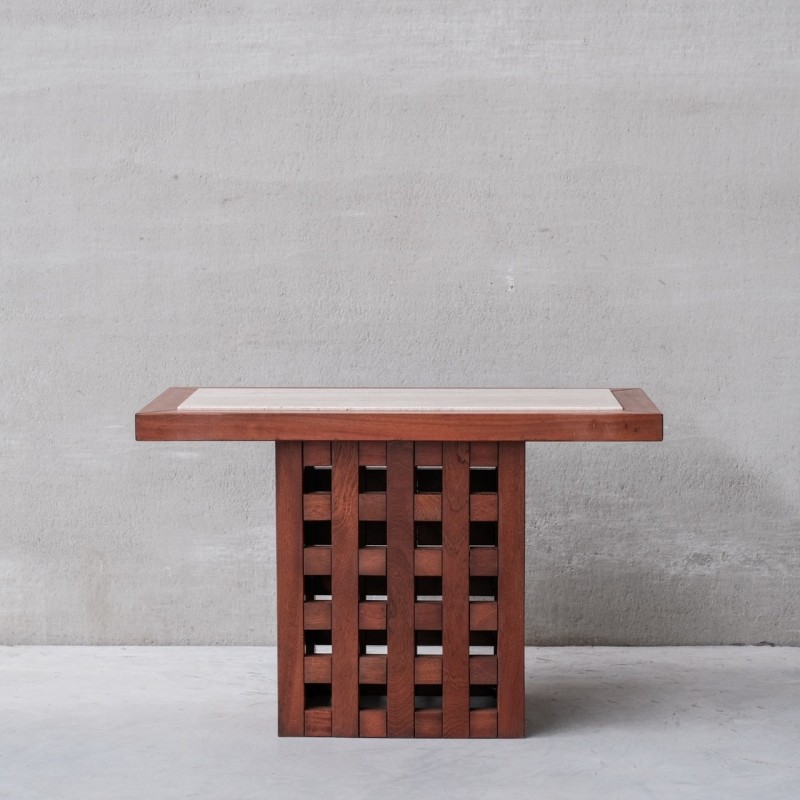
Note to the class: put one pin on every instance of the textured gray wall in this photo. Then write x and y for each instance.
(319, 193)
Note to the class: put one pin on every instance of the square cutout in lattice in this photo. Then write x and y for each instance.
(483, 643)
(482, 696)
(372, 588)
(371, 479)
(316, 479)
(427, 695)
(316, 533)
(483, 534)
(317, 642)
(372, 534)
(482, 479)
(372, 643)
(317, 695)
(372, 695)
(428, 589)
(428, 480)
(317, 587)
(428, 534)
(483, 588)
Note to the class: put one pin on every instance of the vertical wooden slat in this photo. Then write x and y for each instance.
(344, 589)
(400, 588)
(455, 589)
(289, 559)
(511, 591)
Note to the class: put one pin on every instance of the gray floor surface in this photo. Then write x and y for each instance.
(199, 722)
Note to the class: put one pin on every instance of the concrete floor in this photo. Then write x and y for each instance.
(199, 722)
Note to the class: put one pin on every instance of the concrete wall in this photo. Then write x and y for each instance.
(319, 193)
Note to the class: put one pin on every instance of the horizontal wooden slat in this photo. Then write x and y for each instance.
(317, 669)
(316, 454)
(483, 507)
(483, 616)
(483, 723)
(427, 507)
(428, 562)
(483, 561)
(317, 560)
(372, 454)
(372, 506)
(428, 616)
(372, 669)
(483, 454)
(428, 454)
(372, 561)
(318, 721)
(428, 723)
(428, 669)
(372, 616)
(317, 615)
(317, 506)
(372, 723)
(483, 670)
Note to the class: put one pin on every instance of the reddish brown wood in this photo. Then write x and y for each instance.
(317, 669)
(428, 616)
(455, 589)
(483, 454)
(483, 723)
(482, 561)
(290, 595)
(428, 507)
(428, 670)
(317, 506)
(372, 506)
(317, 722)
(483, 507)
(317, 615)
(316, 454)
(344, 577)
(428, 563)
(400, 588)
(638, 421)
(483, 616)
(316, 560)
(372, 723)
(372, 454)
(372, 616)
(428, 454)
(428, 723)
(372, 669)
(511, 591)
(483, 670)
(372, 561)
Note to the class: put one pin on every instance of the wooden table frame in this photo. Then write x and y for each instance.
(400, 557)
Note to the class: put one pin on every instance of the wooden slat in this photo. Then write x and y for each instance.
(372, 506)
(372, 561)
(483, 454)
(428, 616)
(455, 589)
(428, 454)
(344, 591)
(290, 593)
(483, 507)
(427, 507)
(428, 562)
(316, 454)
(317, 506)
(318, 722)
(317, 669)
(372, 669)
(372, 723)
(483, 670)
(317, 615)
(428, 670)
(511, 591)
(317, 560)
(372, 454)
(372, 616)
(483, 561)
(483, 616)
(428, 723)
(400, 589)
(483, 723)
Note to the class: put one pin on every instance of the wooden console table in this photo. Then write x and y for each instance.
(400, 518)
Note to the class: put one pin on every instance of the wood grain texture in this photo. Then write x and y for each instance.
(400, 588)
(317, 669)
(428, 507)
(316, 560)
(372, 506)
(372, 723)
(316, 454)
(372, 561)
(639, 420)
(483, 723)
(290, 592)
(428, 563)
(372, 669)
(318, 722)
(483, 507)
(511, 591)
(483, 670)
(428, 723)
(483, 561)
(428, 670)
(455, 589)
(344, 593)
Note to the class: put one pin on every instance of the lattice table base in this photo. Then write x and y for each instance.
(401, 588)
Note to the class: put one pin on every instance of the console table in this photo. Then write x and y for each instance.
(400, 517)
